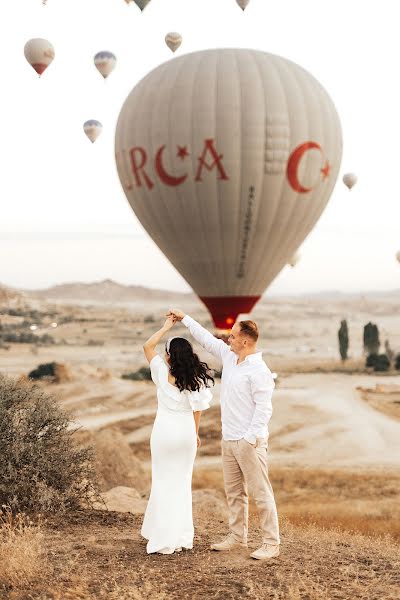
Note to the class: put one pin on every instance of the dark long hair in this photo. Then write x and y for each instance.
(189, 372)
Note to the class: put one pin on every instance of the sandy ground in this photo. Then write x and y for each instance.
(318, 419)
(334, 456)
(101, 555)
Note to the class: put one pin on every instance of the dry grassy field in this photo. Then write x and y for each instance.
(334, 456)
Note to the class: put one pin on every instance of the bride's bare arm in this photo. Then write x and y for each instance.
(197, 417)
(149, 347)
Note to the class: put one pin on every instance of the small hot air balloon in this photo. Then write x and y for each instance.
(230, 169)
(243, 3)
(92, 129)
(350, 180)
(173, 40)
(39, 53)
(398, 256)
(140, 3)
(295, 259)
(105, 62)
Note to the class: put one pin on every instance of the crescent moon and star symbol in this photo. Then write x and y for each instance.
(294, 162)
(162, 173)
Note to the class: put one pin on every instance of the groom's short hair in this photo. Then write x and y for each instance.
(249, 328)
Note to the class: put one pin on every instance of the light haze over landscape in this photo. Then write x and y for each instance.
(81, 395)
(64, 214)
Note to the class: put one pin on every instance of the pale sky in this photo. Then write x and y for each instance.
(64, 215)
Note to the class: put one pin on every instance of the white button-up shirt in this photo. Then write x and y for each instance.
(246, 388)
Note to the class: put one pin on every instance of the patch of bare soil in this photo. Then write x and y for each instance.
(115, 463)
(385, 398)
(101, 555)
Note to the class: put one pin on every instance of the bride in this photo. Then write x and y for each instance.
(183, 392)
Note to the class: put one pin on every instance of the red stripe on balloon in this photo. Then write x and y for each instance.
(225, 309)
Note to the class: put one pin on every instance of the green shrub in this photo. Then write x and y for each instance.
(42, 469)
(25, 337)
(142, 374)
(397, 362)
(379, 362)
(371, 361)
(43, 371)
(95, 343)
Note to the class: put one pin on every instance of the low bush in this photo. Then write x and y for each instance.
(379, 362)
(142, 374)
(44, 371)
(28, 338)
(42, 469)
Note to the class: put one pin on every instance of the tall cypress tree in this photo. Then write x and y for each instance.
(343, 335)
(371, 339)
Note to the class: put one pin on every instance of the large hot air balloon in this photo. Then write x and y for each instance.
(228, 157)
(93, 129)
(105, 62)
(350, 180)
(243, 3)
(173, 40)
(39, 53)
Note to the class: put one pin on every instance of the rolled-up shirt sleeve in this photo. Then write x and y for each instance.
(262, 387)
(207, 340)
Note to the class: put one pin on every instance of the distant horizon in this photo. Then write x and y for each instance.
(322, 292)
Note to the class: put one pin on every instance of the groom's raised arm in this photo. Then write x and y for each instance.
(206, 339)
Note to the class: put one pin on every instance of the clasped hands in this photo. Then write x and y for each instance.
(173, 315)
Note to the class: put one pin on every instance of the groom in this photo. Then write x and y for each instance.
(246, 407)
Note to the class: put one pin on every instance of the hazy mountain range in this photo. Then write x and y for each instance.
(110, 291)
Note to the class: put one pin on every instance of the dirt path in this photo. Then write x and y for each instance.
(319, 420)
(100, 555)
(331, 424)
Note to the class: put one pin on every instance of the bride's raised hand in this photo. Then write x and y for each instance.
(169, 322)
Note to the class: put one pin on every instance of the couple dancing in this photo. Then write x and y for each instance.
(183, 392)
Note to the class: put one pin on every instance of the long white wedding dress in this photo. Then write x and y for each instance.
(168, 521)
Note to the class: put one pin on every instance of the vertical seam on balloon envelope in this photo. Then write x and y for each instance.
(253, 282)
(159, 186)
(206, 264)
(126, 130)
(312, 214)
(313, 219)
(239, 195)
(171, 129)
(154, 213)
(218, 183)
(123, 134)
(292, 74)
(261, 192)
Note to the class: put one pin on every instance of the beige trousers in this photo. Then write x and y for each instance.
(245, 470)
